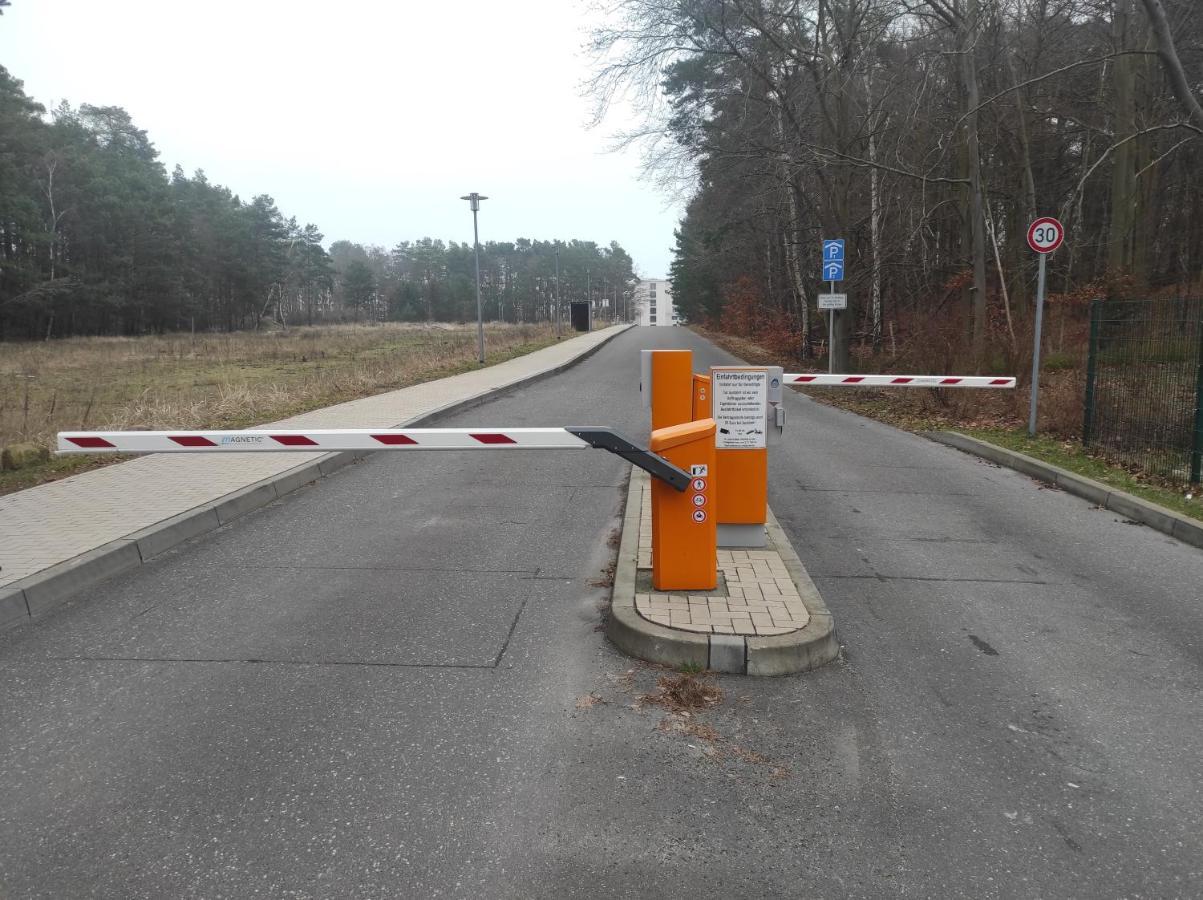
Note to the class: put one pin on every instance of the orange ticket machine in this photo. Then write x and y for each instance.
(666, 385)
(684, 549)
(746, 404)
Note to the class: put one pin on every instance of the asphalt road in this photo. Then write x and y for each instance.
(393, 684)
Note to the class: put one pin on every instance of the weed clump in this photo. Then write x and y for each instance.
(686, 692)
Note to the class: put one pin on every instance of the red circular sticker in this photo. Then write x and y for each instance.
(1045, 235)
(699, 484)
(699, 515)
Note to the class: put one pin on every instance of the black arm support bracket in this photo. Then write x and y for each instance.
(610, 440)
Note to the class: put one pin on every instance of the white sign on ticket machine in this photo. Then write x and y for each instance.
(740, 404)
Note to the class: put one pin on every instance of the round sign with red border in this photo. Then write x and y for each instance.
(1045, 235)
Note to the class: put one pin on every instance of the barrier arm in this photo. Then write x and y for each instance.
(322, 440)
(815, 379)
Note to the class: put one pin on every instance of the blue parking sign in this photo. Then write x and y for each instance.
(833, 260)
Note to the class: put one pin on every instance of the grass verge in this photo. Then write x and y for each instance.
(1070, 455)
(221, 380)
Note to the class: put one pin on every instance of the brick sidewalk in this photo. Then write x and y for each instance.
(55, 523)
(755, 596)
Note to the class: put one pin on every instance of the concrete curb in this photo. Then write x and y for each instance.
(26, 599)
(787, 654)
(1144, 511)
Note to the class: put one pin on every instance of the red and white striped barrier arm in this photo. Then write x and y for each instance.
(929, 381)
(320, 440)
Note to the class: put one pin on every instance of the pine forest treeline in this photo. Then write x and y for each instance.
(97, 238)
(928, 134)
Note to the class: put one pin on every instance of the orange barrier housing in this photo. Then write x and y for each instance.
(684, 536)
(672, 387)
(743, 493)
(701, 397)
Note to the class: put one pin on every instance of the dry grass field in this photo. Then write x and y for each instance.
(222, 380)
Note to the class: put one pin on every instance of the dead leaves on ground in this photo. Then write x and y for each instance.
(685, 692)
(683, 697)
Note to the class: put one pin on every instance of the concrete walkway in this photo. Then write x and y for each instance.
(107, 512)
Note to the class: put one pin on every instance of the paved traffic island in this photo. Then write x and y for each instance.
(765, 617)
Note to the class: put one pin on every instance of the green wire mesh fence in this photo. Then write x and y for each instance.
(1144, 377)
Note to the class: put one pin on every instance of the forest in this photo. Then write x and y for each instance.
(96, 238)
(928, 134)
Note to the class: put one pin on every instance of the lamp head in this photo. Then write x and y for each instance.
(474, 200)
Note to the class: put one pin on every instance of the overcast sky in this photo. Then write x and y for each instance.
(368, 118)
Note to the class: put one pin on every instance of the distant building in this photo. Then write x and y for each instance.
(654, 301)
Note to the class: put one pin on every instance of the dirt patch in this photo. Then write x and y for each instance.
(714, 747)
(699, 730)
(685, 698)
(684, 693)
(606, 578)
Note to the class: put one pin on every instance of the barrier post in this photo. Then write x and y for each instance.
(684, 545)
(701, 397)
(666, 382)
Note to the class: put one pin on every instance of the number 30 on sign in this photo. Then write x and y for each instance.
(1045, 235)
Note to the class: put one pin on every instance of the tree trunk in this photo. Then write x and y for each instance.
(793, 265)
(874, 221)
(1170, 61)
(967, 48)
(1123, 171)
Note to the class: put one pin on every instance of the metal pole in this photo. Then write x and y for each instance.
(480, 324)
(831, 334)
(1092, 354)
(1196, 444)
(474, 203)
(557, 299)
(1036, 348)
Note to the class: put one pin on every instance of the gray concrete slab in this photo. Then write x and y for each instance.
(243, 501)
(165, 535)
(13, 608)
(728, 653)
(60, 583)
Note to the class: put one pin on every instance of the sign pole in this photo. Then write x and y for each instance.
(832, 271)
(1044, 236)
(1036, 348)
(831, 334)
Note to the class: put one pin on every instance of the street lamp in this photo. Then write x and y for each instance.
(557, 304)
(474, 201)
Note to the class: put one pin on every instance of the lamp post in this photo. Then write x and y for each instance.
(557, 302)
(474, 201)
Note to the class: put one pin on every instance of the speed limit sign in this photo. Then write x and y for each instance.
(1045, 235)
